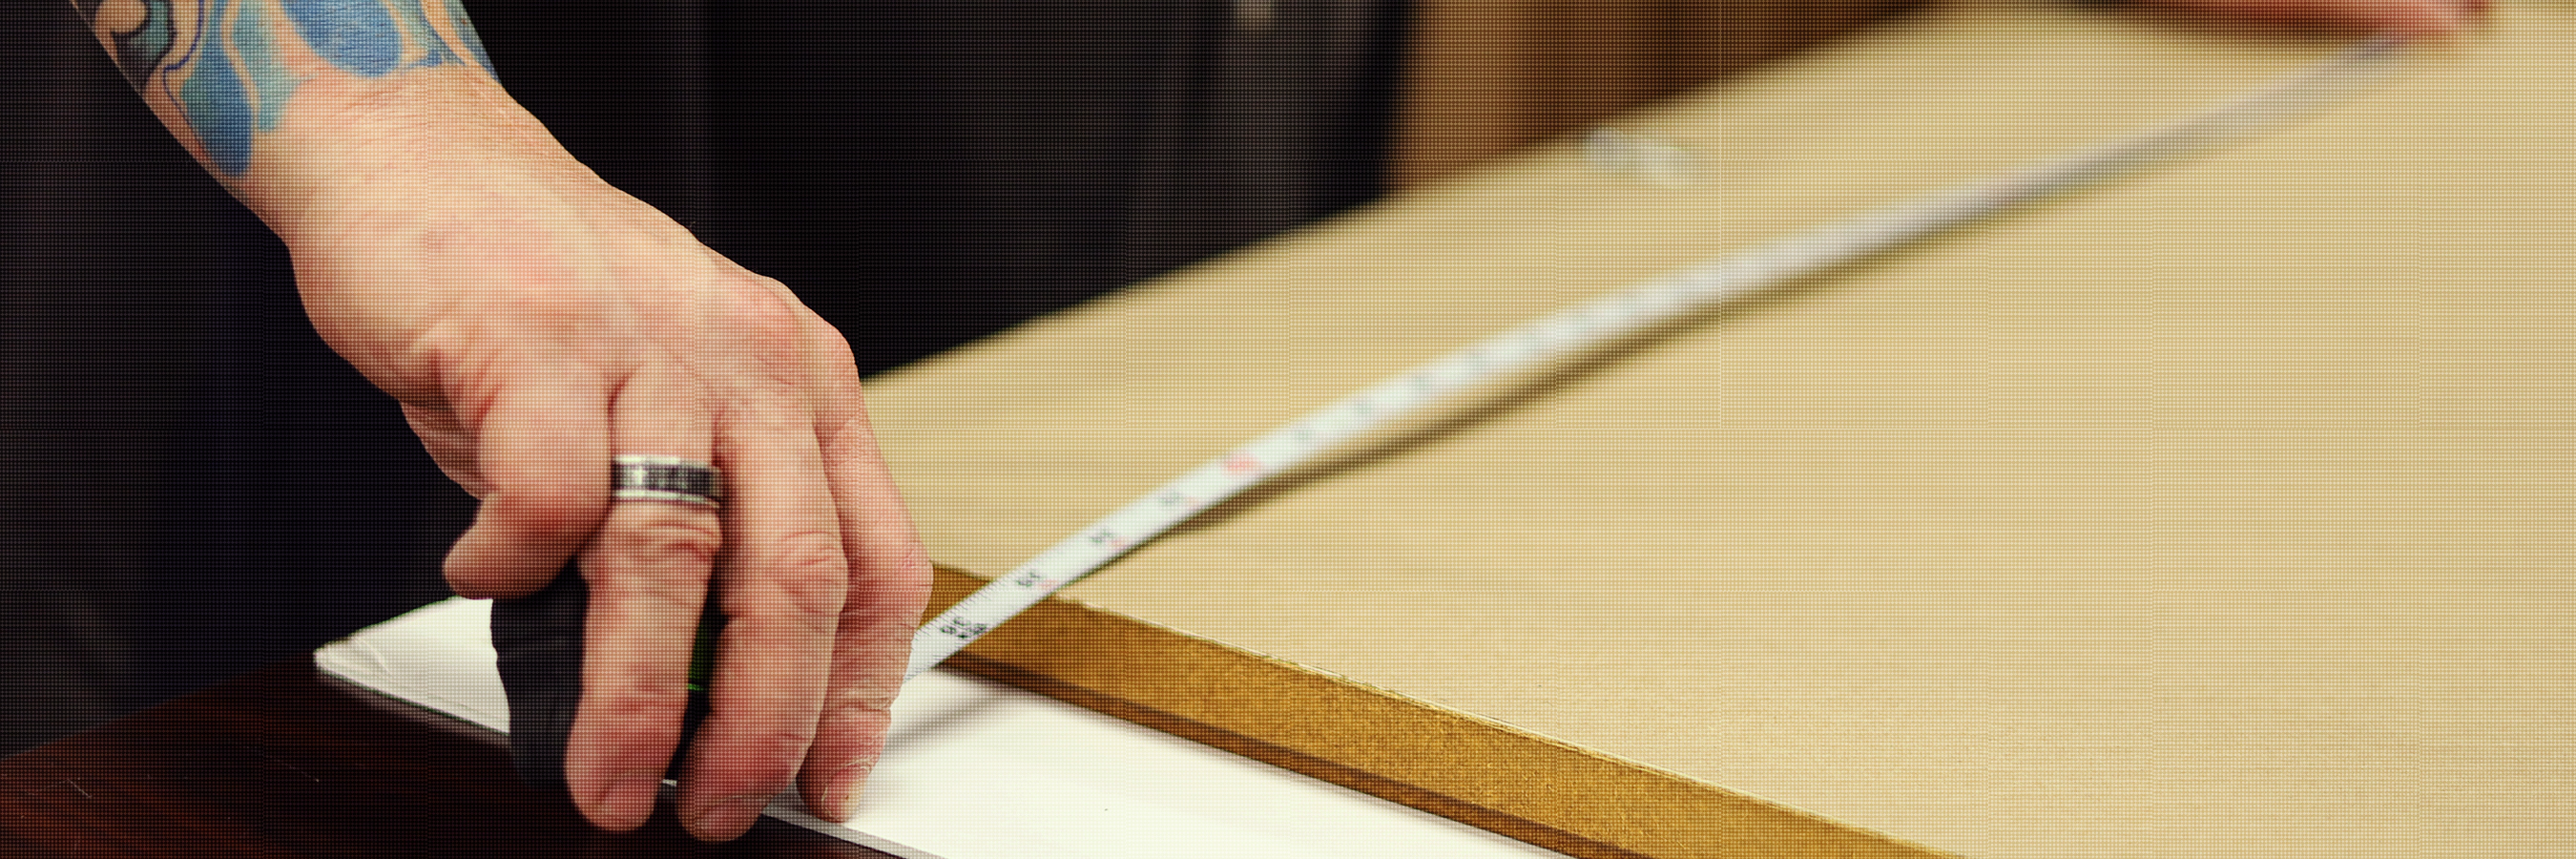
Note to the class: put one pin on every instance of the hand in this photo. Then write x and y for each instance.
(2406, 17)
(533, 321)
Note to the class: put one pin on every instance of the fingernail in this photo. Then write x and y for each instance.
(847, 785)
(728, 817)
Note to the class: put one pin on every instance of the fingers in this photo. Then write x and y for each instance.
(812, 562)
(782, 586)
(890, 582)
(647, 567)
(542, 443)
(2406, 17)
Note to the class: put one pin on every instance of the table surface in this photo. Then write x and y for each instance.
(288, 762)
(2219, 509)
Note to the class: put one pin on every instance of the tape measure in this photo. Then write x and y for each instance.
(1609, 319)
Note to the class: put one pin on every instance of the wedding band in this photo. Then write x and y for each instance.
(664, 478)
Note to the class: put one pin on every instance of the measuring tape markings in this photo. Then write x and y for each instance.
(1604, 320)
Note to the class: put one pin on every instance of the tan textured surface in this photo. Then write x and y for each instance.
(2222, 511)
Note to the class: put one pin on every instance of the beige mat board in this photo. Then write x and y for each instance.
(2224, 510)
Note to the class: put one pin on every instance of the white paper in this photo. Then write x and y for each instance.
(977, 770)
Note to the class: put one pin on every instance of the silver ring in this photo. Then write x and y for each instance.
(665, 478)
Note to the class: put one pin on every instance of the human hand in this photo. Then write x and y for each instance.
(2405, 17)
(533, 321)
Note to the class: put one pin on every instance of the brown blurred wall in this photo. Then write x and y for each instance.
(1484, 77)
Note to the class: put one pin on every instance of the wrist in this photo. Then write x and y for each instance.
(349, 149)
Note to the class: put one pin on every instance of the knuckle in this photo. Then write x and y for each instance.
(775, 317)
(841, 426)
(834, 349)
(684, 540)
(770, 755)
(761, 281)
(907, 588)
(664, 561)
(634, 701)
(866, 701)
(806, 575)
(866, 669)
(859, 702)
(623, 588)
(794, 336)
(441, 346)
(860, 710)
(912, 563)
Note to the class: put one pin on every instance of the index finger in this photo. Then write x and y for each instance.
(538, 438)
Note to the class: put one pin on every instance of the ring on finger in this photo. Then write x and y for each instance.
(644, 477)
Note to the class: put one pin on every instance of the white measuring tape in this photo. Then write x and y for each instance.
(1605, 320)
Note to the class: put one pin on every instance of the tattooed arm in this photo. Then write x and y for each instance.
(532, 320)
(220, 72)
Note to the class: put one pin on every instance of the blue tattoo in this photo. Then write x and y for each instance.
(360, 37)
(374, 38)
(465, 33)
(218, 106)
(228, 79)
(138, 49)
(235, 85)
(256, 49)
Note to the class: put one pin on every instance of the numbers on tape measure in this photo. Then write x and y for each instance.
(960, 628)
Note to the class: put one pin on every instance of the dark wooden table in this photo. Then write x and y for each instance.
(288, 762)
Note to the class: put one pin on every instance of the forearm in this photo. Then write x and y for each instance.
(289, 102)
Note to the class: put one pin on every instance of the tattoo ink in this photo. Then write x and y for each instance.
(233, 84)
(227, 74)
(466, 36)
(361, 38)
(139, 49)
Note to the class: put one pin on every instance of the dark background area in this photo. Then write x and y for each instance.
(192, 485)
